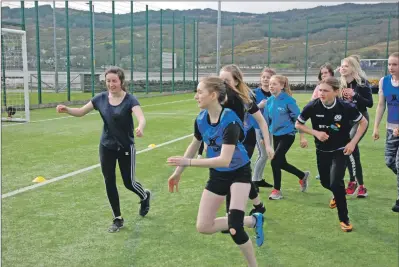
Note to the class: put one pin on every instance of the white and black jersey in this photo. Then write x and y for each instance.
(336, 120)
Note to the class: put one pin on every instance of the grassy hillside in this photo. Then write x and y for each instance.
(367, 34)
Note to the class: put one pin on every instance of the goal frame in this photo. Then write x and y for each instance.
(25, 74)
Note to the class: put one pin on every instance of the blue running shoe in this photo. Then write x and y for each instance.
(259, 228)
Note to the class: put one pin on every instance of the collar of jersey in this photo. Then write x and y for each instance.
(208, 119)
(330, 107)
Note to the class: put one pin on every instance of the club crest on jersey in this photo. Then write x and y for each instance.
(337, 117)
(213, 145)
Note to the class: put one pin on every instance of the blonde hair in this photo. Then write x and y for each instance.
(215, 84)
(243, 91)
(395, 54)
(357, 57)
(284, 82)
(357, 72)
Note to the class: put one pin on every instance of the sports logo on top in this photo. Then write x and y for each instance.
(337, 117)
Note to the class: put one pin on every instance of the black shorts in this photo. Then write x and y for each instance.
(220, 182)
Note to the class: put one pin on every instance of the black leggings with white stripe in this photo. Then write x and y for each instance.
(127, 164)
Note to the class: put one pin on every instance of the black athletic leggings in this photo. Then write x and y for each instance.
(127, 164)
(332, 166)
(249, 144)
(281, 145)
(354, 165)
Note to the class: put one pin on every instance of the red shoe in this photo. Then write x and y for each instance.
(362, 192)
(352, 188)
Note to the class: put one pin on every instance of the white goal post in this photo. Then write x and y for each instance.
(14, 76)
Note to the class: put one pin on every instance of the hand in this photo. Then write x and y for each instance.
(173, 182)
(62, 109)
(376, 135)
(396, 132)
(139, 132)
(269, 152)
(348, 93)
(179, 161)
(304, 143)
(322, 136)
(349, 148)
(262, 103)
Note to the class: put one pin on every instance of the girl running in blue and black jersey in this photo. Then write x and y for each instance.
(117, 140)
(332, 120)
(389, 96)
(229, 168)
(281, 112)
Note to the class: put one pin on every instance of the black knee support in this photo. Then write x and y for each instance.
(236, 226)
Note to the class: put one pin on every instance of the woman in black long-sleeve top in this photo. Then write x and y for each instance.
(357, 90)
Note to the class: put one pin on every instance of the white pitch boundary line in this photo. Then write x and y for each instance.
(27, 188)
(91, 113)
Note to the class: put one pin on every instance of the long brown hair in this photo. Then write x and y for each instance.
(284, 82)
(243, 91)
(118, 71)
(328, 67)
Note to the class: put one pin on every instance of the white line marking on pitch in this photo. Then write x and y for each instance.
(91, 113)
(27, 188)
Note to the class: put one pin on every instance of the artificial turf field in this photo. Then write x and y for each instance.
(65, 223)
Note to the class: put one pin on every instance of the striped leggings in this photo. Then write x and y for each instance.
(127, 164)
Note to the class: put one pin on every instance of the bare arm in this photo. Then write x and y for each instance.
(380, 107)
(223, 160)
(138, 113)
(263, 127)
(302, 128)
(190, 153)
(76, 112)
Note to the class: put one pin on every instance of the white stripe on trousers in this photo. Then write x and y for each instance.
(135, 185)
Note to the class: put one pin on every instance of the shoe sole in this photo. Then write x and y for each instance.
(259, 229)
(362, 196)
(115, 230)
(306, 182)
(149, 195)
(276, 198)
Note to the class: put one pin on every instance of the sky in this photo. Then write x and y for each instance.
(237, 6)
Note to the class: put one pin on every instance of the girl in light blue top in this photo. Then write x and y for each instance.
(281, 112)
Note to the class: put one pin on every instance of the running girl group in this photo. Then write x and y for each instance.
(233, 121)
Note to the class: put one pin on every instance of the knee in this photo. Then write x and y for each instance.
(203, 228)
(275, 162)
(236, 227)
(325, 184)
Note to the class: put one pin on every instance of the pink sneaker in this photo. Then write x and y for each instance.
(352, 188)
(362, 192)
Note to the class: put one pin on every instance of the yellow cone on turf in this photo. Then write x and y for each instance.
(39, 179)
(152, 145)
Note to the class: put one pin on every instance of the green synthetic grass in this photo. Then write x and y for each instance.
(65, 223)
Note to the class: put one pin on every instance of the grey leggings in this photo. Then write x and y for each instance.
(392, 153)
(260, 162)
